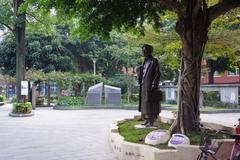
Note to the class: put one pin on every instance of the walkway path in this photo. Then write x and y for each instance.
(58, 135)
(62, 135)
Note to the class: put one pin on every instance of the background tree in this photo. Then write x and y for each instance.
(221, 64)
(43, 52)
(14, 20)
(13, 16)
(223, 44)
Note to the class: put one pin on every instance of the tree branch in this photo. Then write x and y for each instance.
(9, 27)
(175, 6)
(221, 8)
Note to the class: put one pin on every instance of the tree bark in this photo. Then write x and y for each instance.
(48, 94)
(19, 33)
(34, 86)
(129, 91)
(193, 32)
(129, 88)
(29, 92)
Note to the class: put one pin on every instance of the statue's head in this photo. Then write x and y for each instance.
(147, 50)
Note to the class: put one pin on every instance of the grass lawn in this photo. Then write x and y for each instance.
(168, 105)
(130, 134)
(204, 108)
(135, 105)
(207, 108)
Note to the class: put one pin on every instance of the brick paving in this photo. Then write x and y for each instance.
(68, 135)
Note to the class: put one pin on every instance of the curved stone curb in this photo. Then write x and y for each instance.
(222, 111)
(135, 108)
(208, 112)
(21, 115)
(93, 107)
(125, 150)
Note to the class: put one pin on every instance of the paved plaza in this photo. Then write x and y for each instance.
(67, 135)
(58, 135)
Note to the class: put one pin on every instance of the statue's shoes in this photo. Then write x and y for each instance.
(145, 123)
(149, 124)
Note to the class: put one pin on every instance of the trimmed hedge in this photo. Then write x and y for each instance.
(70, 101)
(213, 99)
(2, 98)
(22, 108)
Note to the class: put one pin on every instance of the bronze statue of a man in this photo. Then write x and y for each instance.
(148, 79)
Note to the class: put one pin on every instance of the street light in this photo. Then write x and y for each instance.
(94, 68)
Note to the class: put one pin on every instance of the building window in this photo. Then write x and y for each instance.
(234, 73)
(230, 73)
(216, 74)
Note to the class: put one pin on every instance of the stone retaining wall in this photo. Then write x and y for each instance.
(132, 151)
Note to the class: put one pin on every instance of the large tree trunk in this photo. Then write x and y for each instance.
(19, 33)
(193, 32)
(34, 87)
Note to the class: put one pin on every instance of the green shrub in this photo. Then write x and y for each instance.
(212, 98)
(135, 97)
(2, 98)
(53, 99)
(220, 104)
(70, 101)
(172, 101)
(22, 108)
(124, 98)
(14, 99)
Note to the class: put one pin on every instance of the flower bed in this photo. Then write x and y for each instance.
(70, 101)
(126, 150)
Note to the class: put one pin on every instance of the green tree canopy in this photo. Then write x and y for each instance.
(43, 53)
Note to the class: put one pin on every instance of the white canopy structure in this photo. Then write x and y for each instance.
(112, 95)
(94, 94)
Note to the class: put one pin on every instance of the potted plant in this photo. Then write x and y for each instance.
(22, 110)
(2, 99)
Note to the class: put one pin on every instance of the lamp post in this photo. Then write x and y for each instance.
(94, 68)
